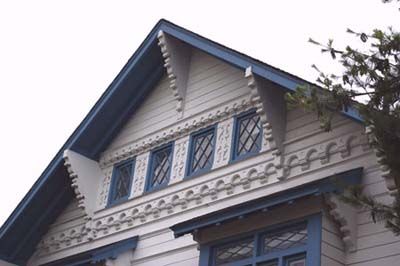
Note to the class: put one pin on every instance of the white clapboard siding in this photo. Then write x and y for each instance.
(70, 217)
(211, 83)
(159, 106)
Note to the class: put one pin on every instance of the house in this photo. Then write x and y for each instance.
(191, 157)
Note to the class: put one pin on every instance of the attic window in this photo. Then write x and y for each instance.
(247, 135)
(160, 167)
(121, 182)
(201, 151)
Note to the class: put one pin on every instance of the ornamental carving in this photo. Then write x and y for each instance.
(179, 161)
(223, 143)
(140, 174)
(260, 174)
(181, 129)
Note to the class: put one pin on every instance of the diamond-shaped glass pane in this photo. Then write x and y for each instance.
(249, 134)
(234, 252)
(123, 176)
(161, 166)
(202, 150)
(286, 239)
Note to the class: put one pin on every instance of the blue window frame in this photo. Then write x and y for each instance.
(159, 167)
(201, 151)
(297, 243)
(121, 182)
(247, 135)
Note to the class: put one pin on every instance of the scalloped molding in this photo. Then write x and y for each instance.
(176, 131)
(176, 56)
(385, 170)
(346, 216)
(222, 187)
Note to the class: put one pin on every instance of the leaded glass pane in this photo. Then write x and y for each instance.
(249, 134)
(234, 252)
(162, 160)
(123, 175)
(286, 239)
(268, 263)
(202, 151)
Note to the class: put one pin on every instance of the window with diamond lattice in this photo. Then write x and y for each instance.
(247, 137)
(287, 245)
(121, 182)
(286, 239)
(160, 168)
(234, 252)
(201, 151)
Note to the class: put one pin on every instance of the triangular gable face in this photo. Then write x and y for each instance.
(176, 87)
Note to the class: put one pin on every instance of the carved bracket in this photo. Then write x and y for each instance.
(346, 216)
(176, 56)
(270, 104)
(85, 176)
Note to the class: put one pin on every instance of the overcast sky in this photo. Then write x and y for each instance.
(57, 58)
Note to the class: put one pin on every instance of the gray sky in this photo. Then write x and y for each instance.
(57, 58)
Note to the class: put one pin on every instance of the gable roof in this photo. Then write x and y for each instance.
(29, 221)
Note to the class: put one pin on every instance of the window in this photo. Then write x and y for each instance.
(159, 167)
(295, 244)
(201, 151)
(247, 135)
(121, 182)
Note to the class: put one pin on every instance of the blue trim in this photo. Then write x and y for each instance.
(150, 168)
(193, 137)
(329, 184)
(119, 101)
(110, 251)
(235, 137)
(312, 249)
(115, 176)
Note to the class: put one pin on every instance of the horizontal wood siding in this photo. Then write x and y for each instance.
(211, 83)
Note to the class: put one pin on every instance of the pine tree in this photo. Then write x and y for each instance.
(370, 83)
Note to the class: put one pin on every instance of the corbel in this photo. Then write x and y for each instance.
(85, 176)
(176, 56)
(346, 217)
(270, 105)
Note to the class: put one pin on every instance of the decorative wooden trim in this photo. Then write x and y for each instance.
(252, 177)
(176, 56)
(346, 217)
(223, 143)
(181, 129)
(74, 184)
(255, 99)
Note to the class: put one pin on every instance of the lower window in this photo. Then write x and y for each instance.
(296, 244)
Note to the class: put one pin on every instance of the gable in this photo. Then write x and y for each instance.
(111, 113)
